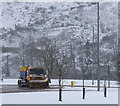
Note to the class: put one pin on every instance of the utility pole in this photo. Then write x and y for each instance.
(98, 81)
(93, 59)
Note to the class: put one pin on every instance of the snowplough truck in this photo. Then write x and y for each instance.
(33, 77)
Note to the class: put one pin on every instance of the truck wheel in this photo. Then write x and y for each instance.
(46, 85)
(28, 85)
(19, 83)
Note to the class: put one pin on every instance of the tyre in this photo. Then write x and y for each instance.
(28, 85)
(46, 85)
(19, 83)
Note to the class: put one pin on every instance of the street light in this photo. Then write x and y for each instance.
(98, 59)
(98, 81)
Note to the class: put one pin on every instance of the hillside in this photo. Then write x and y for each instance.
(30, 21)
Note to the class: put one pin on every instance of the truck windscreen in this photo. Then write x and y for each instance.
(37, 71)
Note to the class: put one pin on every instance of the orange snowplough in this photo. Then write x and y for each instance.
(33, 77)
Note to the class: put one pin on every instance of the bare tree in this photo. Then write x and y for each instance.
(23, 53)
(72, 47)
(31, 44)
(88, 58)
(47, 50)
(83, 71)
(83, 64)
(60, 62)
(105, 62)
(7, 66)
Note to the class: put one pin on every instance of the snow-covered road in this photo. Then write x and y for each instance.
(65, 82)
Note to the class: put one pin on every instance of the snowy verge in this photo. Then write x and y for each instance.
(68, 97)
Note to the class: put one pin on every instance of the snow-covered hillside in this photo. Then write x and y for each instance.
(60, 20)
(51, 18)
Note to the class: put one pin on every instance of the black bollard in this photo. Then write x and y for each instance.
(105, 92)
(60, 94)
(83, 93)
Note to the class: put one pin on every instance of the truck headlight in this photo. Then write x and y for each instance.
(30, 77)
(45, 76)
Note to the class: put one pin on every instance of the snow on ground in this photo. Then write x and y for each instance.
(9, 81)
(70, 95)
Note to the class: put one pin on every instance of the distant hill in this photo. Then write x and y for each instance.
(22, 20)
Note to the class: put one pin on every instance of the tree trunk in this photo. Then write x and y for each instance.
(74, 64)
(7, 73)
(83, 85)
(92, 79)
(49, 79)
(60, 94)
(60, 89)
(92, 76)
(83, 79)
(105, 91)
(31, 51)
(23, 59)
(108, 77)
(83, 93)
(104, 81)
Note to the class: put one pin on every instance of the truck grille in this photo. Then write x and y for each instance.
(38, 78)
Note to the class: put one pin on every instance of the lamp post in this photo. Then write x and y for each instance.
(93, 58)
(98, 63)
(98, 59)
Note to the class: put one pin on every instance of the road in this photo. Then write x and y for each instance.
(16, 89)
